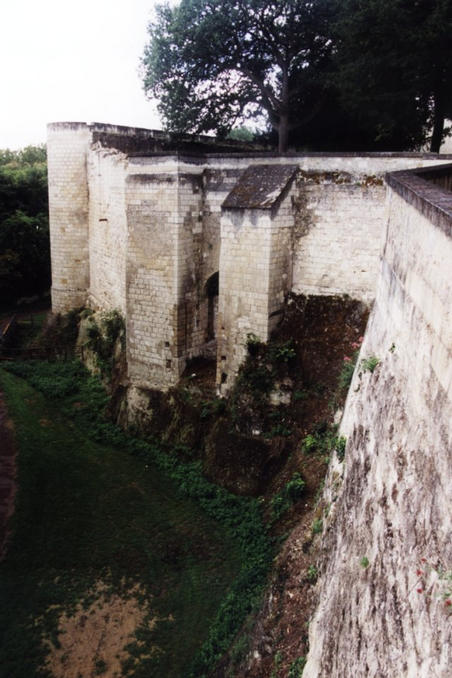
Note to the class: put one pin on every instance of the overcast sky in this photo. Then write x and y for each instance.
(71, 61)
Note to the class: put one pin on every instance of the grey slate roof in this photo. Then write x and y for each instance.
(261, 187)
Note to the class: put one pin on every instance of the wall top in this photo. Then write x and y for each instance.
(419, 188)
(57, 126)
(149, 142)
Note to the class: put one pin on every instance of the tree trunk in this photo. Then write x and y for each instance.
(283, 133)
(438, 124)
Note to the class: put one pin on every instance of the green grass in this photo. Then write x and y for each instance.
(95, 504)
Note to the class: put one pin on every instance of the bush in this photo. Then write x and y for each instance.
(290, 493)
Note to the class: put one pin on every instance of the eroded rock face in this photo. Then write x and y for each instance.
(385, 591)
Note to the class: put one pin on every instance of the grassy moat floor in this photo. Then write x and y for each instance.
(109, 570)
(186, 549)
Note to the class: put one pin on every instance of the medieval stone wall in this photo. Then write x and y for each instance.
(67, 146)
(338, 232)
(152, 303)
(143, 234)
(107, 229)
(386, 552)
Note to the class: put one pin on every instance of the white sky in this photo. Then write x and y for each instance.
(71, 61)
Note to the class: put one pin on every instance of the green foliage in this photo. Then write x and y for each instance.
(277, 659)
(313, 573)
(253, 343)
(369, 364)
(213, 63)
(103, 333)
(213, 408)
(323, 441)
(310, 444)
(289, 494)
(83, 400)
(364, 562)
(389, 74)
(347, 370)
(297, 667)
(87, 511)
(242, 133)
(341, 444)
(282, 352)
(255, 381)
(317, 526)
(24, 227)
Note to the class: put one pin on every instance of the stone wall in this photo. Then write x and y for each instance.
(67, 146)
(255, 262)
(135, 226)
(338, 233)
(107, 228)
(387, 548)
(152, 302)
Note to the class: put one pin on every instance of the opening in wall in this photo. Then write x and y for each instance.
(212, 290)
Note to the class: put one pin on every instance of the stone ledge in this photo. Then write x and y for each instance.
(416, 187)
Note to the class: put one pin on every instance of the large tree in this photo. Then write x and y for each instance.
(213, 62)
(394, 61)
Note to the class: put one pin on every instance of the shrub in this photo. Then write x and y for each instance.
(289, 494)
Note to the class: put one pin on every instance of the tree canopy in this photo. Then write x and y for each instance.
(342, 74)
(24, 224)
(213, 62)
(394, 67)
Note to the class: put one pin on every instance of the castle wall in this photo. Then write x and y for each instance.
(142, 234)
(67, 145)
(339, 212)
(246, 239)
(389, 617)
(255, 270)
(337, 234)
(151, 279)
(107, 228)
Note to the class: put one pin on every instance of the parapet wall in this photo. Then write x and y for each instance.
(387, 550)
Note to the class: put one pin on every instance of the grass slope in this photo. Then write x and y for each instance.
(95, 504)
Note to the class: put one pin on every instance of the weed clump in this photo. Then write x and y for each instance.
(290, 493)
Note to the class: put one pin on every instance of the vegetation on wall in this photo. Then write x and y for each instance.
(24, 225)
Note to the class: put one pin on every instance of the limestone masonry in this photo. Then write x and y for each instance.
(200, 249)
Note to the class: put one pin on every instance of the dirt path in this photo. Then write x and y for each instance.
(7, 473)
